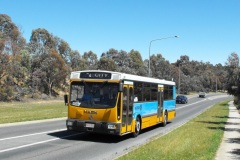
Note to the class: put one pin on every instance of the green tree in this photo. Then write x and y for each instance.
(48, 68)
(160, 67)
(42, 38)
(91, 59)
(106, 64)
(77, 62)
(11, 45)
(63, 49)
(137, 63)
(233, 69)
(51, 71)
(55, 69)
(123, 62)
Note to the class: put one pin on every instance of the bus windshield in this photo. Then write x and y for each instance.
(93, 94)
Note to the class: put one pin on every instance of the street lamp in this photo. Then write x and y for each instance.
(150, 48)
(179, 79)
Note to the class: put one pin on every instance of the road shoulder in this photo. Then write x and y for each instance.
(31, 122)
(230, 146)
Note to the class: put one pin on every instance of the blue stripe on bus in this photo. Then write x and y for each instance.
(169, 105)
(150, 108)
(145, 108)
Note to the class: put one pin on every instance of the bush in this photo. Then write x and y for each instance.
(237, 102)
(6, 93)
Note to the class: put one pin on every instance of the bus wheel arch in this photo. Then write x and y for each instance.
(138, 126)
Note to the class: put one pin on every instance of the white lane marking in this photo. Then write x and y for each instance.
(41, 142)
(33, 134)
(215, 97)
(191, 104)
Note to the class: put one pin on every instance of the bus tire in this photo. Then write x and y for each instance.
(137, 127)
(164, 119)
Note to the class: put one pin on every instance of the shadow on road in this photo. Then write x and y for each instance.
(91, 137)
(94, 137)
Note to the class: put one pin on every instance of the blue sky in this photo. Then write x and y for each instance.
(209, 30)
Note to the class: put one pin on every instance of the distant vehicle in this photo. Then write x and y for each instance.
(202, 94)
(181, 99)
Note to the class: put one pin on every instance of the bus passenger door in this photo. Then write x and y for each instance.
(127, 109)
(160, 103)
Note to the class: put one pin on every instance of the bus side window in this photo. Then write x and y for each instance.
(135, 99)
(138, 91)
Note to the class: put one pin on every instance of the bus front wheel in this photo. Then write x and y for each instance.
(137, 127)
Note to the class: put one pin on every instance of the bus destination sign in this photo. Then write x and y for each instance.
(95, 75)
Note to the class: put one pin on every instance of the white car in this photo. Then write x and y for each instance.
(202, 94)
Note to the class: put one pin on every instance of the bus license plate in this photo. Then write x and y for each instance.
(89, 125)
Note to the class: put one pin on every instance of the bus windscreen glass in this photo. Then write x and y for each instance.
(94, 94)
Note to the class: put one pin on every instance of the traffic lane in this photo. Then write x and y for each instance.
(78, 146)
(86, 146)
(188, 111)
(121, 145)
(31, 127)
(27, 140)
(101, 146)
(38, 148)
(192, 99)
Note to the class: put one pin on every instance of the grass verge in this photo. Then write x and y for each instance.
(198, 139)
(28, 111)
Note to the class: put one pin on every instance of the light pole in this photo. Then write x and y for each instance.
(179, 79)
(150, 48)
(216, 84)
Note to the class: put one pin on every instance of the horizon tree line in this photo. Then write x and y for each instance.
(43, 65)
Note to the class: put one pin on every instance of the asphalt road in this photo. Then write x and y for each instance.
(50, 140)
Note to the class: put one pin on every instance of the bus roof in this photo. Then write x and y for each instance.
(110, 75)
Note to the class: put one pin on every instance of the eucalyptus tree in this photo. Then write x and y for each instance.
(77, 62)
(91, 59)
(137, 63)
(42, 38)
(111, 53)
(233, 80)
(122, 62)
(55, 70)
(221, 76)
(106, 64)
(63, 49)
(11, 36)
(48, 68)
(6, 81)
(11, 44)
(160, 67)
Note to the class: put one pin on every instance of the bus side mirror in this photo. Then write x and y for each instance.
(120, 87)
(65, 99)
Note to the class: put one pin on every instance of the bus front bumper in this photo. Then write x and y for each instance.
(95, 127)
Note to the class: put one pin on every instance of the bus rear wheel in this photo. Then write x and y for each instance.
(164, 119)
(137, 127)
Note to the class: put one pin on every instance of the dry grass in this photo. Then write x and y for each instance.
(34, 110)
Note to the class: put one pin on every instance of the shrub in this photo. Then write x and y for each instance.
(237, 102)
(6, 93)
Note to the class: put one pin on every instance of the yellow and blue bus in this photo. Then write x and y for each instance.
(118, 103)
